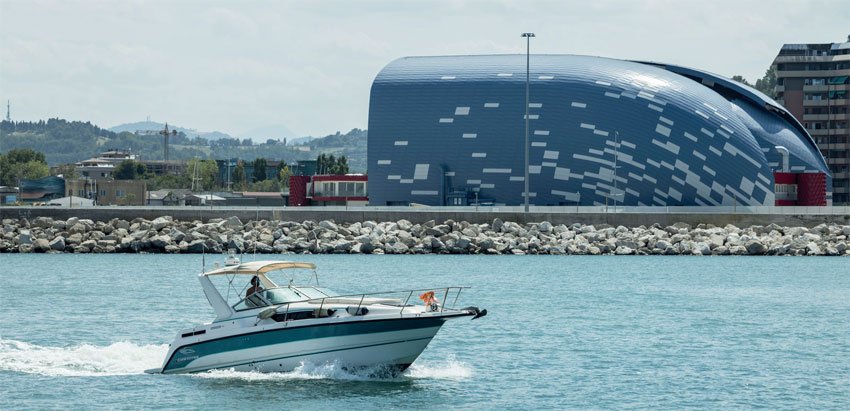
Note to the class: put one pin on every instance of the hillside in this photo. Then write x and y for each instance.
(64, 142)
(153, 125)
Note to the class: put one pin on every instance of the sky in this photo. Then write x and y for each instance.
(235, 66)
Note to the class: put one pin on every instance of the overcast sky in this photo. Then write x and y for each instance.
(235, 66)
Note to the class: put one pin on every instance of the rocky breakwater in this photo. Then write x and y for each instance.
(166, 235)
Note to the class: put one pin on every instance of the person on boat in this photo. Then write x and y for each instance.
(255, 287)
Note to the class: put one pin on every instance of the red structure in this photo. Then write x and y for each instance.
(811, 189)
(800, 189)
(328, 190)
(298, 191)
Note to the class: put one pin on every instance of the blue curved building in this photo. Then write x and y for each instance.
(451, 130)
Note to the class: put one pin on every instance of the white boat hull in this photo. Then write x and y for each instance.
(395, 343)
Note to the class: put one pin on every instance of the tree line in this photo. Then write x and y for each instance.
(68, 142)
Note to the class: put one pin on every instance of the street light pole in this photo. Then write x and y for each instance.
(528, 37)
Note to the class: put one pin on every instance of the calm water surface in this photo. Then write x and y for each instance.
(572, 332)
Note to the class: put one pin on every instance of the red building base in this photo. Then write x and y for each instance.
(800, 189)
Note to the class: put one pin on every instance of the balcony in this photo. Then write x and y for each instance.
(824, 103)
(828, 132)
(810, 59)
(812, 73)
(826, 117)
(826, 87)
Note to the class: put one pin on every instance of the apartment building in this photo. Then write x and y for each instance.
(812, 83)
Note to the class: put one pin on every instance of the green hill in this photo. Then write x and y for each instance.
(64, 142)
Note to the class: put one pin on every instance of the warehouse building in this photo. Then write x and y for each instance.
(451, 131)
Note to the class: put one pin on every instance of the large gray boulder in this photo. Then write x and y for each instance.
(404, 225)
(329, 225)
(58, 243)
(25, 237)
(40, 245)
(236, 243)
(231, 222)
(160, 222)
(497, 225)
(43, 222)
(754, 247)
(160, 241)
(196, 246)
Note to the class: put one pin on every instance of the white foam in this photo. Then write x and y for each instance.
(125, 358)
(120, 358)
(449, 369)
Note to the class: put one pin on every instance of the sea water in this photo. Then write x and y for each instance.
(567, 332)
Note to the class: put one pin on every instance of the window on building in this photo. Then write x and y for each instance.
(80, 193)
(103, 193)
(119, 193)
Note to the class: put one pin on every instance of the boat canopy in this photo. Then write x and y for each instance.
(259, 267)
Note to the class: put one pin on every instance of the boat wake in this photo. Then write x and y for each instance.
(120, 358)
(126, 358)
(449, 369)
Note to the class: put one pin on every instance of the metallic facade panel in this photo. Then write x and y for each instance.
(600, 130)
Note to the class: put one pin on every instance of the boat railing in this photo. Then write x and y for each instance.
(445, 291)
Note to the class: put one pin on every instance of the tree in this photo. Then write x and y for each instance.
(342, 165)
(266, 186)
(67, 171)
(331, 165)
(128, 198)
(168, 181)
(260, 169)
(205, 176)
(284, 174)
(23, 164)
(141, 170)
(126, 170)
(767, 84)
(322, 164)
(739, 78)
(238, 176)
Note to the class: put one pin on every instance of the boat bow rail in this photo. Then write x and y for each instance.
(364, 299)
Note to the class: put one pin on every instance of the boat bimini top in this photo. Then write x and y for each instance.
(259, 267)
(220, 304)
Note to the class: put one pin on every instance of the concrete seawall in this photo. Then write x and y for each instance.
(422, 215)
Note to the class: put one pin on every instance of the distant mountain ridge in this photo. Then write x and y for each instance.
(153, 125)
(269, 132)
(64, 142)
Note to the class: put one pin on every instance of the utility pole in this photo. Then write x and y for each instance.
(528, 37)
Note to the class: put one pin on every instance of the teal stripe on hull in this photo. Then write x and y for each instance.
(190, 352)
(308, 354)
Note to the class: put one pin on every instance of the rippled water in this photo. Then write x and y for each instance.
(563, 332)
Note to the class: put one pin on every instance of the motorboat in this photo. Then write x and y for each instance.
(266, 323)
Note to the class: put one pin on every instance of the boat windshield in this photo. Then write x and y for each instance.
(283, 295)
(317, 292)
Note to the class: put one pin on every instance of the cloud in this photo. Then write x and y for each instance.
(235, 66)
